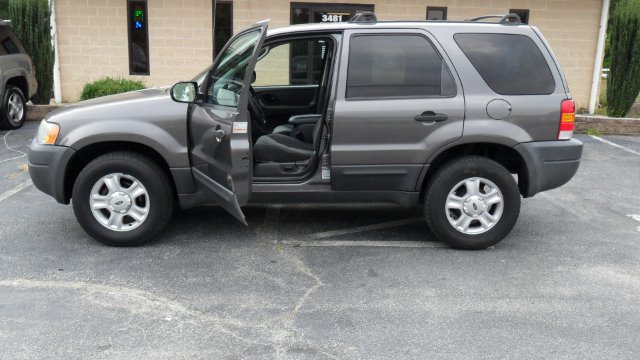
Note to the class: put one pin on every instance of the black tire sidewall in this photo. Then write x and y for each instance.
(6, 120)
(453, 173)
(145, 171)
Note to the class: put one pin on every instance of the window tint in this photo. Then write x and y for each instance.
(138, 37)
(299, 62)
(223, 20)
(396, 66)
(9, 46)
(436, 13)
(509, 64)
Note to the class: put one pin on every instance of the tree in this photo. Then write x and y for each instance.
(30, 20)
(624, 80)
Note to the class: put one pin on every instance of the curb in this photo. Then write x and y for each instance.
(607, 125)
(38, 112)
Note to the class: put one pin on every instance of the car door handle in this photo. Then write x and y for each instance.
(219, 135)
(431, 116)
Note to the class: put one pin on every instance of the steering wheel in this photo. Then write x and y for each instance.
(255, 109)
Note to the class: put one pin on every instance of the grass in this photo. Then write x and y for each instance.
(594, 132)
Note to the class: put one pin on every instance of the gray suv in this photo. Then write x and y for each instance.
(17, 79)
(461, 118)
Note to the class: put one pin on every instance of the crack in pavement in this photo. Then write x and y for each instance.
(286, 335)
(136, 301)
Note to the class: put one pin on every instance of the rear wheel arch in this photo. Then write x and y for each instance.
(505, 155)
(86, 154)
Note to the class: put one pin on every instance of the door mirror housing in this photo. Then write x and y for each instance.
(184, 92)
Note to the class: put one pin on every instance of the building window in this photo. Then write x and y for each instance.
(523, 13)
(222, 24)
(137, 21)
(303, 13)
(436, 13)
(388, 66)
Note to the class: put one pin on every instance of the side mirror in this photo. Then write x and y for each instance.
(184, 92)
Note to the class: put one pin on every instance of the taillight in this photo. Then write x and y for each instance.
(567, 119)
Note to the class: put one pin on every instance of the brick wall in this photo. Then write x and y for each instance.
(92, 34)
(570, 26)
(92, 41)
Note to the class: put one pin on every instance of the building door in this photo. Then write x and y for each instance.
(303, 13)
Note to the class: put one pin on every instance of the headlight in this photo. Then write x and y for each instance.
(47, 133)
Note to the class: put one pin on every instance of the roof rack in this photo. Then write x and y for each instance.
(502, 19)
(366, 17)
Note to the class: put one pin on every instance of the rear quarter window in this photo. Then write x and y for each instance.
(8, 42)
(510, 64)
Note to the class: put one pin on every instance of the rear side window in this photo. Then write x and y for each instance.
(8, 45)
(509, 64)
(383, 66)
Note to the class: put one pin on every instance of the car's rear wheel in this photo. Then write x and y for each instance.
(472, 203)
(123, 199)
(14, 108)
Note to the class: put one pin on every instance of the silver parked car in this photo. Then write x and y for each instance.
(436, 114)
(17, 79)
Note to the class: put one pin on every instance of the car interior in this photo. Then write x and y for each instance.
(287, 106)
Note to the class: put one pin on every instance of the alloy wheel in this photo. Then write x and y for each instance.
(474, 206)
(119, 202)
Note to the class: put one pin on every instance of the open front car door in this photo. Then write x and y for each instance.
(219, 124)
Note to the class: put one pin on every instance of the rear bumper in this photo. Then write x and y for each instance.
(47, 166)
(549, 164)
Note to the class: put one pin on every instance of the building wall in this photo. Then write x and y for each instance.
(92, 34)
(92, 41)
(570, 26)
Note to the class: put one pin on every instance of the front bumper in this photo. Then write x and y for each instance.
(549, 164)
(47, 167)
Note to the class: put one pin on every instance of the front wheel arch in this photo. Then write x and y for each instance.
(85, 155)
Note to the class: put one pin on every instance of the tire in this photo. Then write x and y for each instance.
(106, 190)
(452, 201)
(14, 108)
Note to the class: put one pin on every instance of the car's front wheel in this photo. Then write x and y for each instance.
(122, 199)
(472, 203)
(14, 108)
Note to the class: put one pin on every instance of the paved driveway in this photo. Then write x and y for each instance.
(325, 282)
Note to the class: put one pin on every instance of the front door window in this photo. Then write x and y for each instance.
(228, 75)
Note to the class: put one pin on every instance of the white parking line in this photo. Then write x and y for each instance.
(384, 225)
(9, 193)
(635, 217)
(362, 243)
(4, 140)
(624, 148)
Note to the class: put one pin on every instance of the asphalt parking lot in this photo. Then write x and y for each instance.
(328, 282)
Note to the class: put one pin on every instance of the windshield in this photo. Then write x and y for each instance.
(227, 78)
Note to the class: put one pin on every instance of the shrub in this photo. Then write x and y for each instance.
(109, 86)
(624, 80)
(30, 21)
